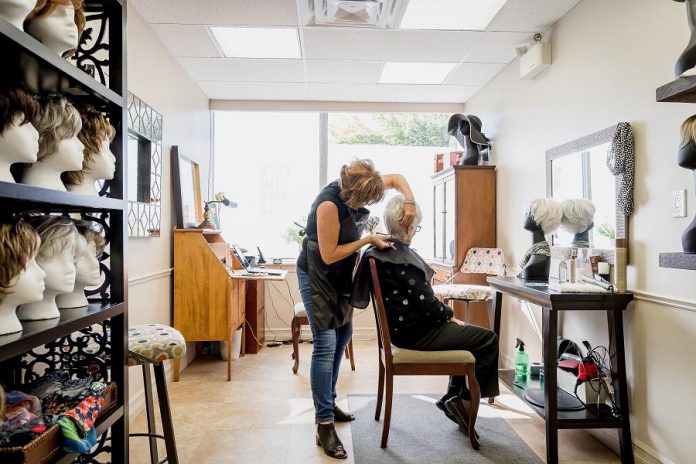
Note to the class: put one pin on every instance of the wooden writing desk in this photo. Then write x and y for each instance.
(209, 296)
(552, 302)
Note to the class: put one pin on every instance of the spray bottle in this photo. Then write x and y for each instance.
(521, 360)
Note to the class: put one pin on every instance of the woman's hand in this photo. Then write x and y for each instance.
(381, 241)
(454, 320)
(408, 215)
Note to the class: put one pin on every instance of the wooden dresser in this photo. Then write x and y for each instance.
(209, 305)
(464, 200)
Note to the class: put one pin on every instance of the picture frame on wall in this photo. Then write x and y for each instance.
(188, 210)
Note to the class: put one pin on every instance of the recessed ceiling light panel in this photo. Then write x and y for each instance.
(257, 42)
(458, 15)
(415, 73)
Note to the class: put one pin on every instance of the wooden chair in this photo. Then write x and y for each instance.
(398, 361)
(300, 319)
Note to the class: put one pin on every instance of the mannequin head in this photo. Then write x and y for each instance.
(58, 24)
(578, 215)
(58, 124)
(543, 214)
(90, 246)
(21, 279)
(57, 251)
(15, 11)
(96, 136)
(19, 139)
(687, 152)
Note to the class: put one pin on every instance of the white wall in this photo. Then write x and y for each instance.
(608, 59)
(156, 78)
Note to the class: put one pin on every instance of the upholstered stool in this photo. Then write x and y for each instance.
(154, 344)
(300, 319)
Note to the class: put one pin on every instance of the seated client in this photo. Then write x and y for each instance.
(417, 319)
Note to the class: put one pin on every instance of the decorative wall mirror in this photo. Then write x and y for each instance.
(144, 169)
(187, 198)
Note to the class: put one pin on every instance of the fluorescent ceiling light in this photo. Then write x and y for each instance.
(258, 42)
(467, 15)
(415, 73)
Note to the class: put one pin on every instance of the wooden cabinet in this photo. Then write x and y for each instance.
(209, 305)
(464, 202)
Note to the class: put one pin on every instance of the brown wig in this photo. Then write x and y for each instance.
(16, 103)
(46, 7)
(95, 130)
(92, 233)
(19, 243)
(58, 120)
(361, 184)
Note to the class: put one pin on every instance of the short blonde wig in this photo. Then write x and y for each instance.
(95, 130)
(19, 243)
(58, 120)
(547, 213)
(578, 215)
(57, 233)
(361, 184)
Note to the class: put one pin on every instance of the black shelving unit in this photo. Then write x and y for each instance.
(97, 75)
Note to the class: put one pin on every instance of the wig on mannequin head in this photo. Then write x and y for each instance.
(578, 215)
(57, 233)
(19, 243)
(44, 8)
(58, 120)
(546, 212)
(91, 235)
(95, 130)
(16, 106)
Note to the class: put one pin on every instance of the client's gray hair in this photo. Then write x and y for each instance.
(393, 212)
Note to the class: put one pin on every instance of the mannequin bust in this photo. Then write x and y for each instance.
(58, 24)
(15, 11)
(687, 159)
(578, 219)
(99, 163)
(57, 258)
(541, 218)
(60, 149)
(90, 246)
(21, 278)
(19, 139)
(466, 129)
(687, 60)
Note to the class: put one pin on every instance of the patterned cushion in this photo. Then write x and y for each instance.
(402, 356)
(463, 292)
(489, 261)
(155, 342)
(299, 310)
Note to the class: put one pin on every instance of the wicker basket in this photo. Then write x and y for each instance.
(46, 446)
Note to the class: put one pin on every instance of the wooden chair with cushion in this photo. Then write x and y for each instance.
(300, 319)
(398, 361)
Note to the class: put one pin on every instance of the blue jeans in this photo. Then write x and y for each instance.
(327, 354)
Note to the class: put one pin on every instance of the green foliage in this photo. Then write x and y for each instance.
(405, 129)
(608, 230)
(292, 235)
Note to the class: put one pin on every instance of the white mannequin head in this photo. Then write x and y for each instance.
(21, 278)
(99, 163)
(19, 139)
(90, 245)
(15, 11)
(58, 24)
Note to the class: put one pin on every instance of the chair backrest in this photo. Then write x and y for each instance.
(383, 337)
(489, 261)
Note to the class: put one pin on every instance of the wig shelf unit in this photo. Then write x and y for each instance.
(107, 314)
(682, 90)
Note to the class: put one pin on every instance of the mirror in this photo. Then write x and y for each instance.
(144, 169)
(578, 169)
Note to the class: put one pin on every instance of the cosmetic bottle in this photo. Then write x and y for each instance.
(563, 271)
(521, 361)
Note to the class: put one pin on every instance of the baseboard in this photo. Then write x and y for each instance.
(642, 453)
(359, 333)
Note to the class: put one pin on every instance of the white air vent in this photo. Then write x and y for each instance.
(381, 14)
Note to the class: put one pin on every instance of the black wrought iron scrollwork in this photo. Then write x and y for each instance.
(92, 55)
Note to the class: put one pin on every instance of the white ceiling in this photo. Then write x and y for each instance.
(340, 64)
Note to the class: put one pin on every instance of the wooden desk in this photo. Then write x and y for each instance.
(552, 302)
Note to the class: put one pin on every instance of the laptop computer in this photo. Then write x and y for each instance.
(236, 249)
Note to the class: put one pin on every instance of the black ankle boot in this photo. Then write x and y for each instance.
(328, 439)
(341, 416)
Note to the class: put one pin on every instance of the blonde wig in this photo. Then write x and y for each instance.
(578, 215)
(19, 243)
(688, 131)
(57, 233)
(16, 103)
(361, 184)
(46, 7)
(58, 120)
(547, 213)
(95, 130)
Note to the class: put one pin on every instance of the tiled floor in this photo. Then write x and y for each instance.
(265, 414)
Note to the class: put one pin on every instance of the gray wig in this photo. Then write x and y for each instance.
(547, 213)
(393, 212)
(578, 215)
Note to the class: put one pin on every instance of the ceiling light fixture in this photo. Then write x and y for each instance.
(257, 42)
(356, 13)
(415, 73)
(458, 15)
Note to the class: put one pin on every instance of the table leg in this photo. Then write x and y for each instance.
(550, 323)
(177, 369)
(497, 304)
(244, 335)
(229, 358)
(618, 376)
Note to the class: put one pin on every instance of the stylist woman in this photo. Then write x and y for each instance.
(324, 270)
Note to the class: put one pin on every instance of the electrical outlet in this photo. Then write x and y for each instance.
(679, 203)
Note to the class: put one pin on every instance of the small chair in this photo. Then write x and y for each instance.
(300, 319)
(488, 261)
(154, 344)
(399, 361)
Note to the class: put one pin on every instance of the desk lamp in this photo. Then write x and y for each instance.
(206, 224)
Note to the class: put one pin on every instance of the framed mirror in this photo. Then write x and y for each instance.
(187, 198)
(578, 169)
(144, 169)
